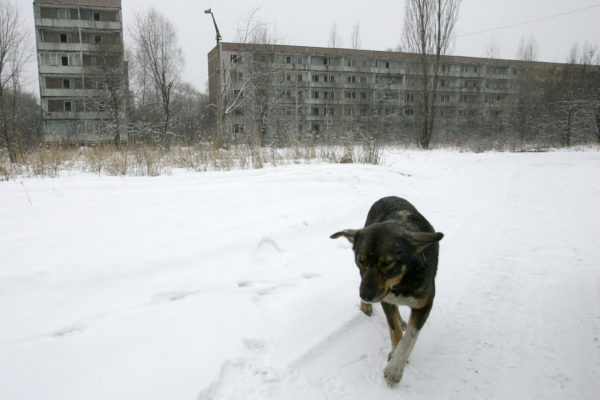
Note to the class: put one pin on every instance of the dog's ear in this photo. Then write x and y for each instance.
(420, 240)
(349, 234)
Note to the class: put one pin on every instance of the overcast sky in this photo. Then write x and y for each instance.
(559, 25)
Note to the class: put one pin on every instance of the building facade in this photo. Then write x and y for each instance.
(82, 71)
(279, 91)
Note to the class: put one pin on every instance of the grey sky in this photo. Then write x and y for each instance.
(308, 22)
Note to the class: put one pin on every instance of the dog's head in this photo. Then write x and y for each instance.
(384, 253)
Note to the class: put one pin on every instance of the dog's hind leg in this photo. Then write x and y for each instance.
(366, 308)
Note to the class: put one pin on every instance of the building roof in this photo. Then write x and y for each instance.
(328, 51)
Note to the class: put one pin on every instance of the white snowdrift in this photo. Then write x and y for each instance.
(226, 286)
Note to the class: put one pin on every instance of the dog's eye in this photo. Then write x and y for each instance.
(386, 264)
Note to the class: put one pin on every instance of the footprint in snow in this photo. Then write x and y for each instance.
(67, 331)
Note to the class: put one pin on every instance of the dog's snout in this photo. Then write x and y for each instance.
(367, 293)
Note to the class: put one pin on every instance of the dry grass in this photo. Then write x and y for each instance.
(153, 161)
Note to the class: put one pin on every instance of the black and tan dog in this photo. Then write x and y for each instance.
(397, 255)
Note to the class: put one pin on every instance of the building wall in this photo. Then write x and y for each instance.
(315, 92)
(71, 37)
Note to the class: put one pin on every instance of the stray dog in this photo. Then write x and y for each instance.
(397, 256)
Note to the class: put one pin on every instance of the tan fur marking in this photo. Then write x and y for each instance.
(366, 308)
(396, 332)
(390, 283)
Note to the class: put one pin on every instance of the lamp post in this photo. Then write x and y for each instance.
(219, 137)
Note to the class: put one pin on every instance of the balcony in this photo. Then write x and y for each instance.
(78, 23)
(62, 69)
(78, 115)
(69, 47)
(66, 93)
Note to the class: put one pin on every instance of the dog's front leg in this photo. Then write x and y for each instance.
(399, 357)
(395, 323)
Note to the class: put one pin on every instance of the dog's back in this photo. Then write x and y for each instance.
(394, 208)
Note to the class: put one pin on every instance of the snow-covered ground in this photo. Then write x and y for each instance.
(225, 285)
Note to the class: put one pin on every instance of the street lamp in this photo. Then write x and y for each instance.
(219, 138)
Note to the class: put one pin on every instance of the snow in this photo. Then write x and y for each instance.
(225, 285)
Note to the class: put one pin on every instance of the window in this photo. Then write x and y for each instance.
(66, 83)
(49, 58)
(328, 95)
(328, 111)
(315, 111)
(299, 60)
(363, 79)
(288, 59)
(348, 112)
(96, 16)
(64, 13)
(315, 78)
(351, 79)
(238, 128)
(409, 111)
(328, 78)
(238, 94)
(315, 95)
(445, 98)
(326, 61)
(97, 39)
(299, 78)
(363, 95)
(65, 60)
(235, 58)
(443, 83)
(350, 63)
(68, 106)
(314, 126)
(350, 95)
(63, 38)
(409, 97)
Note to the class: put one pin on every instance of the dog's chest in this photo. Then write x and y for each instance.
(399, 300)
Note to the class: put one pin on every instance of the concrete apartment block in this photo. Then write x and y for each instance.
(315, 91)
(80, 49)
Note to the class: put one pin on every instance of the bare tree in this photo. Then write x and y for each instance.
(334, 40)
(428, 31)
(109, 76)
(251, 91)
(528, 49)
(355, 36)
(492, 49)
(160, 59)
(252, 29)
(14, 54)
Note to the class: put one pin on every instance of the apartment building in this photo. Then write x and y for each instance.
(275, 90)
(82, 71)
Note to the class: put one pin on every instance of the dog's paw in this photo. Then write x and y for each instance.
(366, 308)
(393, 373)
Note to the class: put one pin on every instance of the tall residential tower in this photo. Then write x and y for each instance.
(82, 71)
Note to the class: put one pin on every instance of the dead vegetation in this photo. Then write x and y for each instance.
(52, 161)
